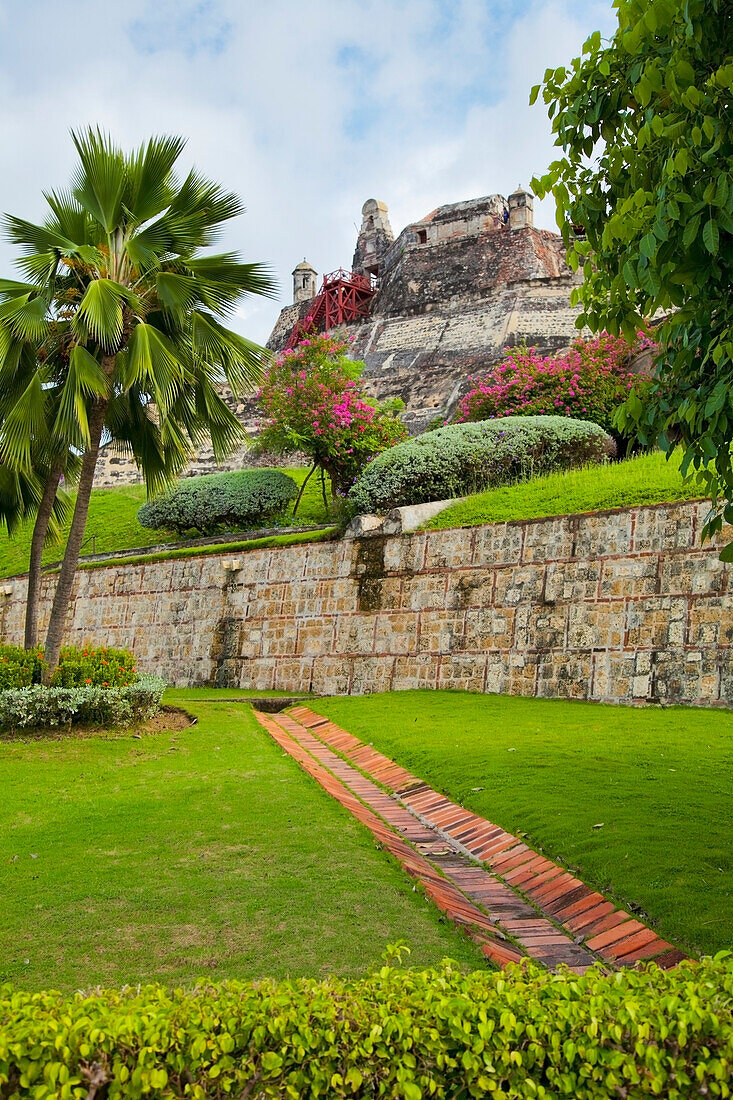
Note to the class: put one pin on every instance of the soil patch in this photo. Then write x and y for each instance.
(168, 718)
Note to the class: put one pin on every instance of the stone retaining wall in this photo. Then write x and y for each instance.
(621, 606)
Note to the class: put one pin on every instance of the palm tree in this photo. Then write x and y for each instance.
(125, 319)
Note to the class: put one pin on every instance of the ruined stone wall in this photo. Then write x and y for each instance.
(621, 606)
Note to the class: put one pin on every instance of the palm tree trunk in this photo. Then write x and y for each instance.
(40, 530)
(62, 597)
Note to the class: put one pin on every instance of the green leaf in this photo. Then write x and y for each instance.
(710, 236)
(85, 378)
(99, 181)
(726, 554)
(100, 313)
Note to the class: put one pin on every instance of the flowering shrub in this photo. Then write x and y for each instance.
(589, 382)
(465, 458)
(19, 667)
(219, 502)
(77, 667)
(100, 666)
(40, 707)
(311, 401)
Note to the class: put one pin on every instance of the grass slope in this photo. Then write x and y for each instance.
(113, 525)
(203, 853)
(646, 479)
(659, 781)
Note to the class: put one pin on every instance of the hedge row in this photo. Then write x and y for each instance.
(465, 458)
(39, 707)
(398, 1033)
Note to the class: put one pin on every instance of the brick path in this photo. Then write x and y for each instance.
(512, 901)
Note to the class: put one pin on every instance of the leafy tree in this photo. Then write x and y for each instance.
(645, 197)
(119, 328)
(312, 402)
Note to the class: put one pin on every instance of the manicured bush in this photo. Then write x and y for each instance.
(40, 707)
(465, 458)
(588, 382)
(398, 1033)
(218, 502)
(19, 667)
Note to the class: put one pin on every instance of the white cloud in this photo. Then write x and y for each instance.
(305, 110)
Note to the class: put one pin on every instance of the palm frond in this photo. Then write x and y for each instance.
(153, 363)
(100, 313)
(226, 270)
(33, 238)
(238, 360)
(150, 187)
(70, 219)
(10, 288)
(85, 379)
(24, 425)
(39, 266)
(98, 183)
(26, 316)
(201, 196)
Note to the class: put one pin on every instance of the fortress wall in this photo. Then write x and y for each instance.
(621, 607)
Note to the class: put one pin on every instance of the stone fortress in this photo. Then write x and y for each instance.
(452, 291)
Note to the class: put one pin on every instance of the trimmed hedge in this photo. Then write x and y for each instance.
(39, 707)
(219, 502)
(465, 458)
(398, 1033)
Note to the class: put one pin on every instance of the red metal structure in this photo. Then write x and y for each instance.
(344, 296)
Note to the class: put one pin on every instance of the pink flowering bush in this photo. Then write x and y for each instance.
(311, 401)
(588, 382)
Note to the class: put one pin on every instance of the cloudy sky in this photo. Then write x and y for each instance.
(305, 109)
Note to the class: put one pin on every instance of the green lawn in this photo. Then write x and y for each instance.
(647, 479)
(659, 782)
(112, 525)
(201, 853)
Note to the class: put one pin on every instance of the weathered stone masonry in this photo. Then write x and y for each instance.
(621, 606)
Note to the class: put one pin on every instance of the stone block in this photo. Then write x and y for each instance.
(696, 572)
(315, 637)
(331, 675)
(290, 674)
(488, 628)
(441, 632)
(470, 588)
(415, 672)
(423, 591)
(596, 626)
(518, 584)
(449, 549)
(601, 534)
(355, 634)
(371, 674)
(630, 576)
(498, 544)
(396, 633)
(668, 527)
(572, 580)
(405, 554)
(564, 677)
(710, 622)
(548, 540)
(656, 623)
(462, 671)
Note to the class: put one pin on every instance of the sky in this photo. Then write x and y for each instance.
(304, 109)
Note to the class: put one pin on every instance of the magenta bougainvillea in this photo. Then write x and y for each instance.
(311, 401)
(588, 382)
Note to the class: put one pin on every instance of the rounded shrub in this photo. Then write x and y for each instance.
(219, 502)
(465, 458)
